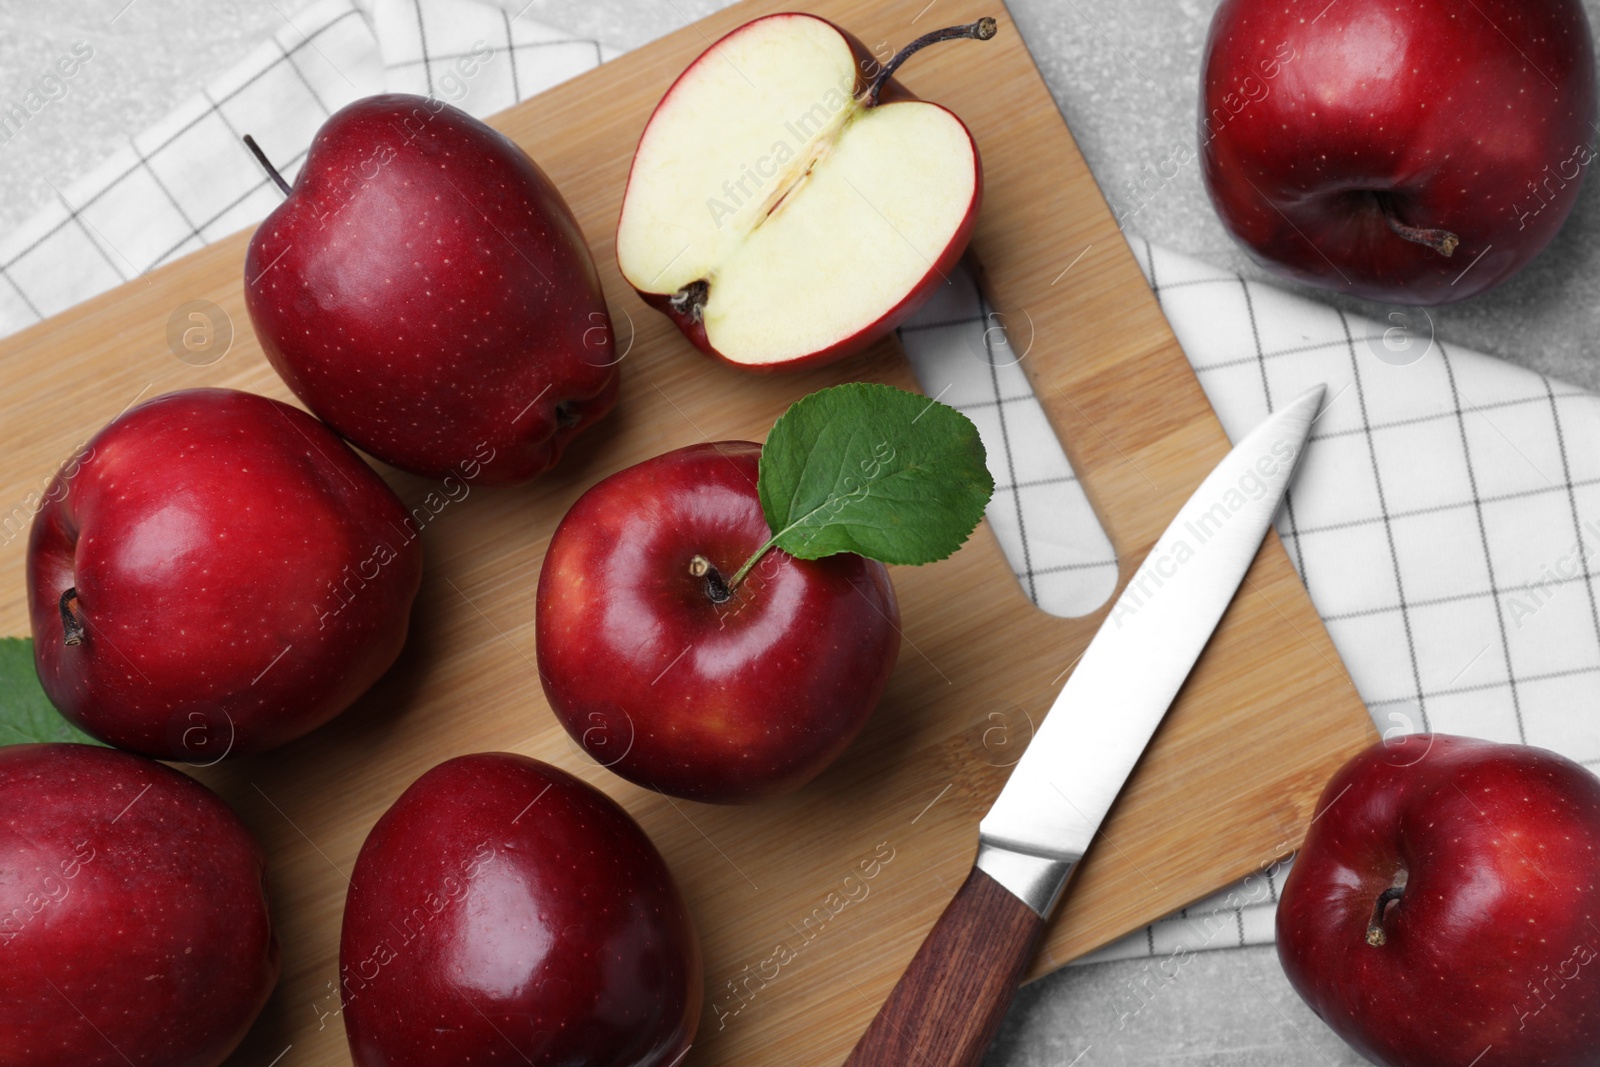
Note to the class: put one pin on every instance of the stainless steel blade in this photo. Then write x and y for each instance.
(1061, 789)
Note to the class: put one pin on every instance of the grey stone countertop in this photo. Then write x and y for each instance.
(1125, 74)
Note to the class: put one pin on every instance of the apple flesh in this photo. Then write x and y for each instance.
(674, 683)
(1417, 153)
(216, 574)
(779, 213)
(426, 290)
(504, 912)
(1444, 909)
(133, 914)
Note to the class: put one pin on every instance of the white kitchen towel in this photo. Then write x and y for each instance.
(1445, 520)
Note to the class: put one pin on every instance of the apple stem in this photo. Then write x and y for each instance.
(981, 30)
(266, 164)
(1441, 241)
(71, 628)
(718, 591)
(1375, 935)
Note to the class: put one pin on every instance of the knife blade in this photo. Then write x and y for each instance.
(947, 1005)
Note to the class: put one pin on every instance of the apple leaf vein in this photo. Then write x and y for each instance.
(874, 470)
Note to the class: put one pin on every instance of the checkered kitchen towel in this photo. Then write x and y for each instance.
(1445, 520)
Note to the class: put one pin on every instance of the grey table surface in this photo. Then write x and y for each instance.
(1124, 73)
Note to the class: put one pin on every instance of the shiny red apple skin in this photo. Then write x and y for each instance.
(867, 66)
(242, 577)
(426, 290)
(134, 924)
(502, 912)
(722, 703)
(1501, 849)
(1474, 119)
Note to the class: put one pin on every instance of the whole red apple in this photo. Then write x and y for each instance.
(1445, 909)
(1415, 153)
(217, 573)
(133, 914)
(671, 683)
(504, 912)
(797, 224)
(426, 290)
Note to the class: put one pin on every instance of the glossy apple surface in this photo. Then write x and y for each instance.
(426, 290)
(1475, 120)
(234, 576)
(777, 215)
(133, 914)
(720, 702)
(1490, 955)
(503, 912)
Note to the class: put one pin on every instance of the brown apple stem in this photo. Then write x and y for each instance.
(691, 300)
(718, 591)
(71, 628)
(1441, 241)
(266, 164)
(1375, 935)
(981, 30)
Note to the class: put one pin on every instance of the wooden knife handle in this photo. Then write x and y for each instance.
(945, 1009)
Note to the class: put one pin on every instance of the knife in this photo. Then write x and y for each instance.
(946, 1007)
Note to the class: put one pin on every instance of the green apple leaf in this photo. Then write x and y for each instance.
(873, 470)
(26, 714)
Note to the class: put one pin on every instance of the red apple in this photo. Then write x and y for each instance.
(504, 912)
(133, 914)
(1445, 909)
(217, 574)
(1415, 153)
(425, 289)
(672, 684)
(781, 214)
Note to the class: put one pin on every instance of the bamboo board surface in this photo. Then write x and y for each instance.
(1228, 784)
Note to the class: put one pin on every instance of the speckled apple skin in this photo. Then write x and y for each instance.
(722, 703)
(242, 577)
(1474, 119)
(1501, 849)
(134, 926)
(503, 912)
(426, 290)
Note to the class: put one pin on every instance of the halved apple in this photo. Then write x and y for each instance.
(786, 208)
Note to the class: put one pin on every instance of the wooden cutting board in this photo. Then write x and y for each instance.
(1227, 785)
